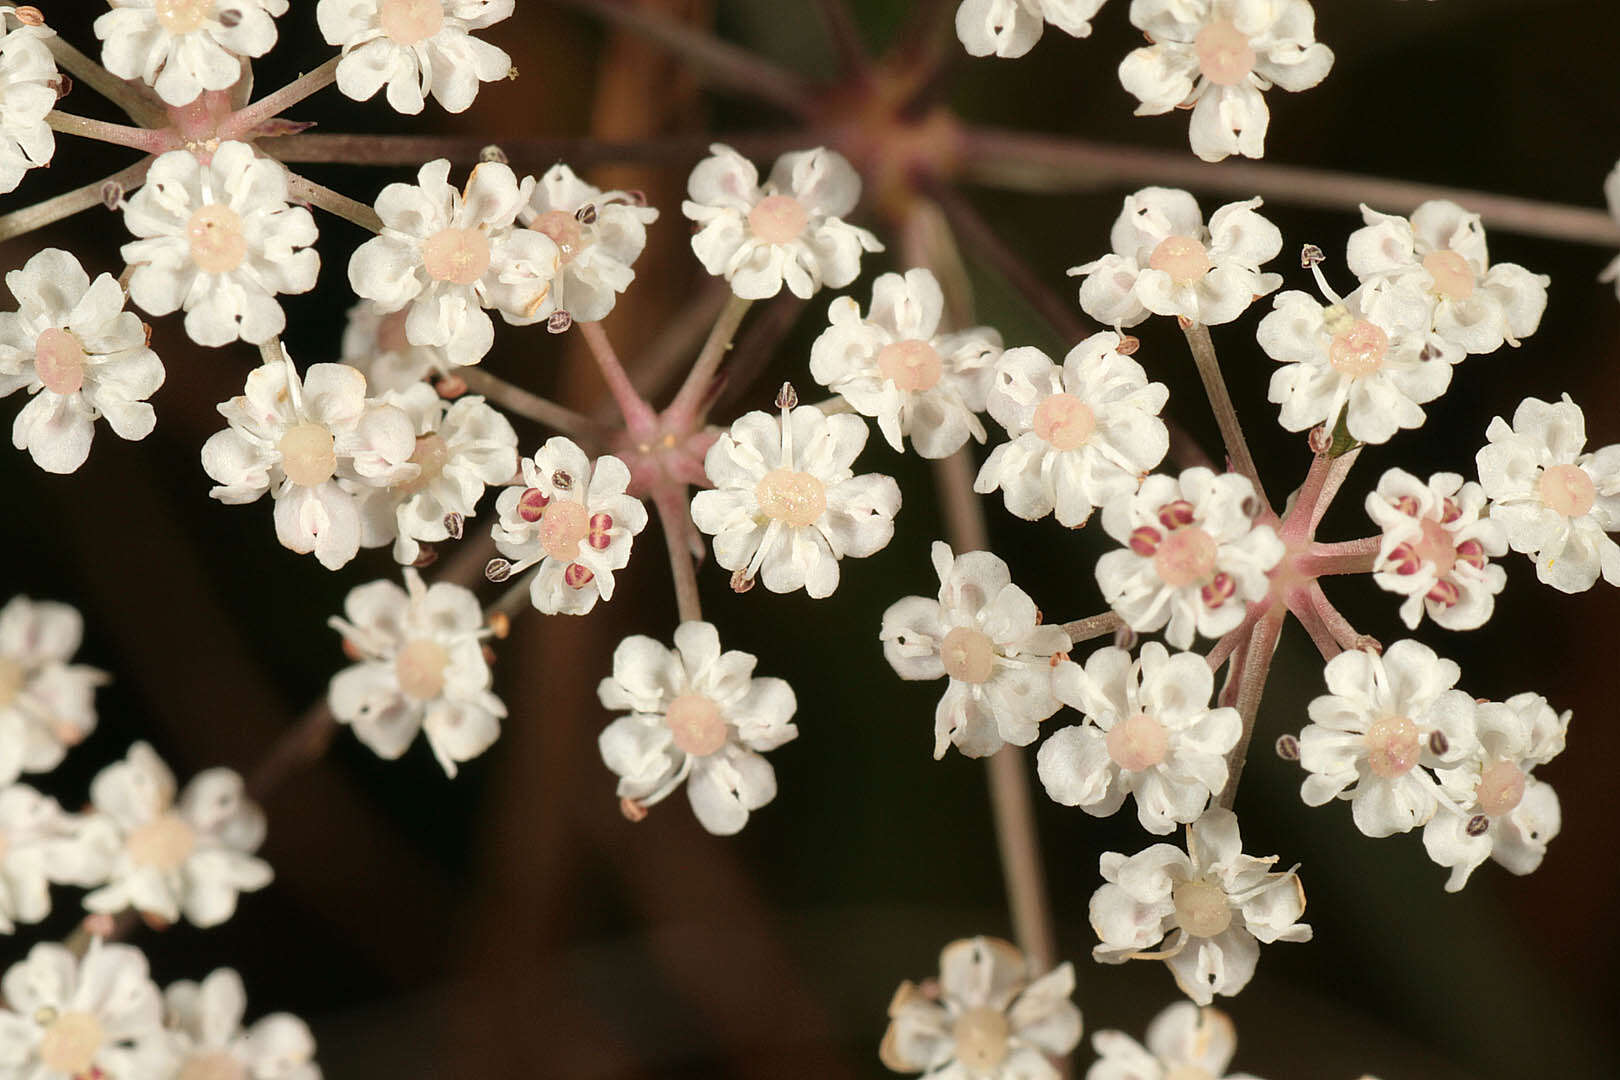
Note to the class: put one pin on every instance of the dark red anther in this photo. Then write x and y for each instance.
(601, 525)
(1449, 512)
(1219, 590)
(531, 505)
(1444, 593)
(1145, 541)
(1176, 515)
(577, 576)
(1472, 552)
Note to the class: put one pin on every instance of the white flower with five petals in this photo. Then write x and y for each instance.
(1184, 1042)
(1010, 28)
(39, 844)
(1436, 548)
(598, 234)
(47, 705)
(209, 1041)
(182, 48)
(27, 96)
(415, 48)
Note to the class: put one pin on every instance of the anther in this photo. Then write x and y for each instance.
(230, 18)
(1125, 638)
(426, 557)
(1438, 743)
(500, 625)
(497, 570)
(1177, 515)
(562, 481)
(1288, 747)
(112, 195)
(1310, 255)
(560, 322)
(1320, 440)
(1128, 345)
(493, 155)
(741, 581)
(787, 397)
(1145, 541)
(455, 525)
(62, 84)
(1250, 507)
(30, 16)
(531, 505)
(637, 198)
(1478, 825)
(577, 576)
(632, 810)
(1444, 593)
(586, 215)
(450, 387)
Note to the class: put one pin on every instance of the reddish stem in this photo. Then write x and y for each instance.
(639, 418)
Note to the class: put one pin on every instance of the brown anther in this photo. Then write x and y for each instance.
(147, 329)
(741, 582)
(559, 323)
(1478, 825)
(1310, 255)
(586, 215)
(1178, 514)
(450, 387)
(1145, 540)
(1058, 658)
(562, 481)
(30, 16)
(154, 921)
(632, 810)
(493, 155)
(500, 625)
(1288, 747)
(1320, 440)
(497, 570)
(1125, 638)
(1250, 507)
(1184, 322)
(426, 557)
(637, 197)
(352, 651)
(230, 18)
(1368, 643)
(112, 195)
(62, 84)
(455, 525)
(787, 397)
(100, 925)
(1038, 617)
(1438, 743)
(577, 576)
(1128, 344)
(489, 654)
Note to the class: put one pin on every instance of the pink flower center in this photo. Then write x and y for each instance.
(1452, 275)
(409, 22)
(391, 332)
(1064, 421)
(183, 16)
(59, 361)
(218, 1065)
(13, 677)
(1437, 547)
(698, 727)
(70, 1043)
(1138, 742)
(460, 256)
(1182, 257)
(1392, 746)
(308, 454)
(562, 526)
(1567, 489)
(565, 230)
(1202, 908)
(1358, 351)
(1186, 556)
(910, 365)
(778, 219)
(981, 1038)
(1224, 54)
(968, 655)
(218, 244)
(794, 498)
(431, 453)
(420, 668)
(164, 843)
(1501, 788)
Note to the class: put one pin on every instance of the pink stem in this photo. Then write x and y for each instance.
(1349, 557)
(242, 124)
(639, 418)
(1262, 646)
(138, 138)
(676, 520)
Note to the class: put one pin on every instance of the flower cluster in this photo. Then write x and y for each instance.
(27, 95)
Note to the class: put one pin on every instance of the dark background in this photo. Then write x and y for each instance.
(510, 923)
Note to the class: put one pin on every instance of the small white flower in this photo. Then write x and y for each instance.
(1384, 724)
(984, 633)
(1437, 548)
(27, 95)
(1010, 28)
(70, 1019)
(791, 231)
(575, 520)
(1150, 732)
(1219, 902)
(1441, 254)
(896, 367)
(297, 440)
(169, 857)
(1494, 808)
(984, 1018)
(786, 506)
(1216, 56)
(1193, 556)
(80, 355)
(219, 241)
(39, 844)
(374, 341)
(1079, 435)
(1611, 192)
(46, 704)
(1167, 262)
(421, 668)
(696, 714)
(449, 254)
(415, 48)
(1184, 1042)
(181, 48)
(1556, 503)
(460, 448)
(205, 1027)
(598, 234)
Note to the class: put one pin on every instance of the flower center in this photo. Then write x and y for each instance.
(968, 655)
(1065, 421)
(778, 219)
(1392, 746)
(1567, 489)
(59, 361)
(13, 677)
(1358, 350)
(565, 230)
(460, 256)
(164, 843)
(563, 524)
(1452, 275)
(411, 21)
(391, 332)
(308, 454)
(1138, 742)
(697, 725)
(70, 1044)
(419, 667)
(980, 1035)
(1437, 547)
(1202, 908)
(218, 244)
(1182, 257)
(183, 16)
(1186, 556)
(1224, 54)
(218, 1065)
(431, 454)
(1501, 787)
(910, 365)
(1188, 1072)
(795, 498)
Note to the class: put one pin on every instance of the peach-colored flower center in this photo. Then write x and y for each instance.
(308, 454)
(778, 219)
(793, 498)
(218, 1065)
(981, 1038)
(163, 843)
(183, 16)
(13, 677)
(968, 655)
(1567, 489)
(565, 231)
(70, 1043)
(563, 524)
(910, 365)
(59, 361)
(1138, 742)
(1437, 547)
(1202, 908)
(218, 244)
(1359, 350)
(1392, 746)
(1224, 53)
(431, 453)
(1188, 1072)
(1452, 275)
(1186, 556)
(1501, 787)
(696, 723)
(410, 22)
(460, 256)
(420, 667)
(1064, 421)
(1182, 257)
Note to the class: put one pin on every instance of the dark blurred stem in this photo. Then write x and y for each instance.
(138, 103)
(302, 189)
(69, 203)
(1255, 660)
(1220, 400)
(677, 526)
(542, 411)
(844, 35)
(412, 150)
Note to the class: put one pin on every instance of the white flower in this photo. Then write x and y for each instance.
(421, 667)
(1384, 724)
(27, 95)
(896, 367)
(460, 448)
(1079, 435)
(984, 1018)
(1436, 548)
(1193, 556)
(572, 518)
(1219, 901)
(415, 47)
(374, 341)
(80, 355)
(38, 845)
(205, 1027)
(1011, 28)
(787, 506)
(1150, 732)
(46, 704)
(73, 1019)
(183, 47)
(1556, 503)
(1216, 56)
(1184, 1042)
(1440, 253)
(169, 857)
(296, 439)
(1167, 262)
(984, 633)
(598, 235)
(696, 714)
(1611, 192)
(449, 254)
(1494, 807)
(790, 232)
(219, 241)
